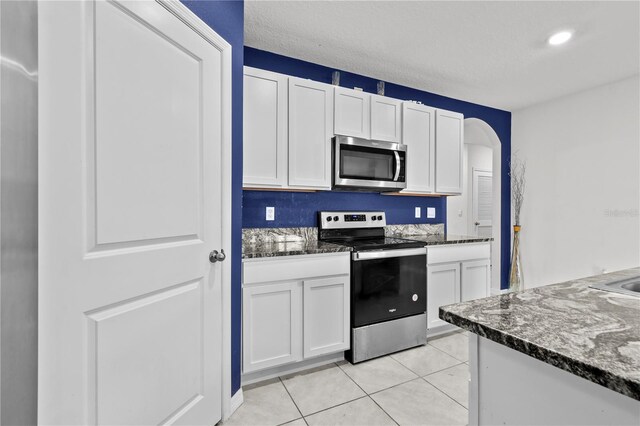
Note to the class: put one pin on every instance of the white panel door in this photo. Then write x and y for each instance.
(482, 202)
(134, 121)
(352, 113)
(449, 144)
(443, 288)
(264, 129)
(326, 315)
(385, 118)
(475, 279)
(272, 325)
(418, 133)
(310, 124)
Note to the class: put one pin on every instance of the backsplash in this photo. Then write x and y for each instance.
(415, 229)
(300, 209)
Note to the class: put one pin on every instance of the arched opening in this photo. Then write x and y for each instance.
(468, 214)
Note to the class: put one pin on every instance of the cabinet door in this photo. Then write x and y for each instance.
(449, 143)
(264, 129)
(443, 284)
(476, 278)
(326, 315)
(351, 113)
(310, 124)
(385, 118)
(418, 133)
(271, 329)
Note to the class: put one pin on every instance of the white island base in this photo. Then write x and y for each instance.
(510, 388)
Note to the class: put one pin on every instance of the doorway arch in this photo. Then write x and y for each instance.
(478, 132)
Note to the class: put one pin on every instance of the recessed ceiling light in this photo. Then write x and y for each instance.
(560, 38)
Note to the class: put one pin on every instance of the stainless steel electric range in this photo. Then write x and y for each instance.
(388, 283)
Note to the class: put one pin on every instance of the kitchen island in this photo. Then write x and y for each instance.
(559, 354)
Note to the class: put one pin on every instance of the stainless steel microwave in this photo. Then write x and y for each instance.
(366, 165)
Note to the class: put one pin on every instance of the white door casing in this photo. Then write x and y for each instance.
(134, 144)
(482, 202)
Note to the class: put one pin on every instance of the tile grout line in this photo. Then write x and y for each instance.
(292, 400)
(445, 394)
(368, 395)
(445, 352)
(428, 374)
(337, 405)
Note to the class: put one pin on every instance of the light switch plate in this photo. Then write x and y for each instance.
(418, 212)
(271, 213)
(431, 212)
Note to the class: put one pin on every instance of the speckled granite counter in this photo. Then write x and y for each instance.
(591, 333)
(273, 242)
(431, 234)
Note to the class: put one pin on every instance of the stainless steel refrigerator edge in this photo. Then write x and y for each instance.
(18, 212)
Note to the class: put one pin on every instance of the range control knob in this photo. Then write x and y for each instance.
(329, 218)
(336, 218)
(373, 218)
(379, 217)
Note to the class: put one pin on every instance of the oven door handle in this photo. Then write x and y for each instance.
(395, 177)
(385, 254)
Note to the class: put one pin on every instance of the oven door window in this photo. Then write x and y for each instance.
(384, 289)
(358, 162)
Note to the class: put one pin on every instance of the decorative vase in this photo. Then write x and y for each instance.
(516, 281)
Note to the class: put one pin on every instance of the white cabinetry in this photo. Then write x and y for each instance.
(310, 132)
(385, 118)
(326, 315)
(272, 318)
(367, 116)
(449, 146)
(352, 113)
(418, 133)
(456, 273)
(294, 308)
(264, 129)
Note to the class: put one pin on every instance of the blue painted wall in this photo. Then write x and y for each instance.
(227, 19)
(298, 209)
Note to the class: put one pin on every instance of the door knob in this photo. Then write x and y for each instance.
(477, 223)
(214, 256)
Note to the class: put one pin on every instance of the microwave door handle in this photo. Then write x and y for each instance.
(395, 178)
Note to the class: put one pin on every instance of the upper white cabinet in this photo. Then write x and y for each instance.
(449, 145)
(385, 118)
(352, 113)
(264, 129)
(418, 133)
(367, 116)
(310, 133)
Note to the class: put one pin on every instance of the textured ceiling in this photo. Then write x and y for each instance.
(491, 53)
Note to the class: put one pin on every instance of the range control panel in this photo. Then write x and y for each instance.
(342, 219)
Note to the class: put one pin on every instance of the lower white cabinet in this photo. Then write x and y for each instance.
(326, 315)
(272, 320)
(294, 308)
(456, 273)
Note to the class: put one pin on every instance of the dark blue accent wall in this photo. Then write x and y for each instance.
(227, 19)
(298, 209)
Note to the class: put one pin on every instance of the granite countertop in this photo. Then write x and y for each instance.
(591, 333)
(444, 239)
(274, 242)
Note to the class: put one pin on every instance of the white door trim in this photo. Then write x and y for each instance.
(193, 21)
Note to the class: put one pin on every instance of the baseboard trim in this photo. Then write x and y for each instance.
(236, 401)
(270, 373)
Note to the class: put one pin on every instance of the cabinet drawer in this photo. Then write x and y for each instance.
(294, 267)
(458, 252)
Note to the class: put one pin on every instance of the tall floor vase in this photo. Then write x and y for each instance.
(516, 280)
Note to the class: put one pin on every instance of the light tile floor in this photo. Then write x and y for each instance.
(427, 385)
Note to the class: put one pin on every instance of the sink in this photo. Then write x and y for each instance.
(630, 286)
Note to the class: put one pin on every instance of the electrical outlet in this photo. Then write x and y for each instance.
(431, 212)
(271, 213)
(418, 212)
